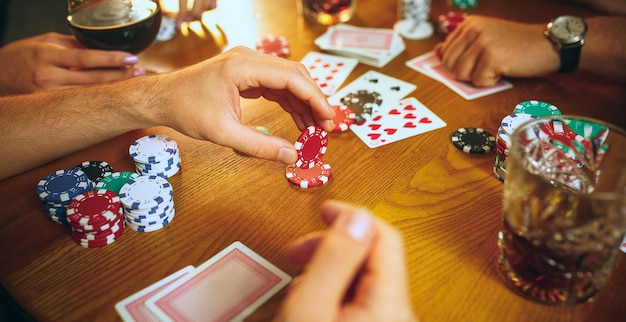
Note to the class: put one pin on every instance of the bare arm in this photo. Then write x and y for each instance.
(483, 49)
(201, 101)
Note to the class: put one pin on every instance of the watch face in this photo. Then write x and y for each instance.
(569, 29)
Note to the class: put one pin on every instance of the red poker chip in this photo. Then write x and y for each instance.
(273, 45)
(99, 240)
(344, 117)
(93, 207)
(449, 21)
(311, 146)
(315, 176)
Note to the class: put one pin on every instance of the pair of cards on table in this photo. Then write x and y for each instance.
(372, 46)
(227, 287)
(430, 65)
(385, 117)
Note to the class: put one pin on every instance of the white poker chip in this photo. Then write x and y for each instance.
(146, 192)
(512, 121)
(167, 31)
(153, 148)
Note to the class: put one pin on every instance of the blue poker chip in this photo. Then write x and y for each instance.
(61, 186)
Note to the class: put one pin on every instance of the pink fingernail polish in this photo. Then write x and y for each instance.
(131, 60)
(359, 225)
(139, 72)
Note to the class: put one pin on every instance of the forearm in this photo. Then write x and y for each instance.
(604, 51)
(41, 127)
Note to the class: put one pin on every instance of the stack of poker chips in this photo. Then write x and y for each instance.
(155, 155)
(523, 112)
(273, 45)
(96, 218)
(116, 180)
(447, 22)
(310, 170)
(148, 203)
(95, 170)
(414, 19)
(57, 190)
(464, 4)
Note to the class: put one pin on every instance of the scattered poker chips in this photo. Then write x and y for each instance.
(148, 203)
(155, 155)
(57, 190)
(96, 218)
(523, 112)
(473, 140)
(344, 118)
(364, 103)
(310, 170)
(95, 170)
(464, 4)
(447, 22)
(273, 45)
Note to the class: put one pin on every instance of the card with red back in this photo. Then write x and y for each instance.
(133, 308)
(227, 287)
(359, 38)
(328, 71)
(406, 118)
(430, 65)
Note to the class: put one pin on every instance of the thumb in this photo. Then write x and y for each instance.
(332, 269)
(251, 142)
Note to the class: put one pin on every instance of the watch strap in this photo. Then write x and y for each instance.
(570, 56)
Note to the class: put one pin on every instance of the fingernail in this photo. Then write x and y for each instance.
(286, 155)
(139, 72)
(131, 60)
(359, 225)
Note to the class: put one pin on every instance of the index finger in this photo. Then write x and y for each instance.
(90, 58)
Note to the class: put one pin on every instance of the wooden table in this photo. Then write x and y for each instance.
(446, 203)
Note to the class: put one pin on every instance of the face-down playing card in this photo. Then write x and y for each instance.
(227, 287)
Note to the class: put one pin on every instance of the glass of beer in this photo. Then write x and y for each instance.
(328, 12)
(564, 208)
(126, 25)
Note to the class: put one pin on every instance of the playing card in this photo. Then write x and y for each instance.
(370, 92)
(374, 40)
(406, 118)
(328, 71)
(133, 308)
(227, 287)
(429, 64)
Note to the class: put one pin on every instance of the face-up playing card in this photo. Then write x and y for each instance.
(133, 308)
(406, 118)
(328, 71)
(227, 287)
(430, 65)
(370, 93)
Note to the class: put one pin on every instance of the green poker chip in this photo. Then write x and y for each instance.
(536, 108)
(464, 4)
(586, 129)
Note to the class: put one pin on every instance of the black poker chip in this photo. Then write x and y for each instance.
(95, 170)
(363, 103)
(473, 140)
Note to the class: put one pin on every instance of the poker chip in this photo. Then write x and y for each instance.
(414, 23)
(273, 45)
(512, 121)
(156, 155)
(449, 21)
(464, 4)
(58, 189)
(536, 108)
(114, 181)
(167, 30)
(95, 170)
(95, 218)
(314, 176)
(473, 140)
(148, 203)
(311, 146)
(344, 118)
(364, 103)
